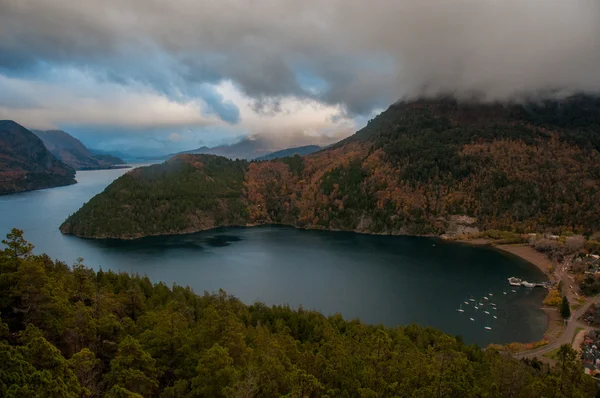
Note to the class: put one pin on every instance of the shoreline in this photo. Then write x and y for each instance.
(521, 250)
(554, 324)
(193, 230)
(530, 255)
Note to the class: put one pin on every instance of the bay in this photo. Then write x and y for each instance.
(379, 279)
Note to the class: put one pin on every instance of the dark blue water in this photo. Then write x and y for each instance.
(379, 279)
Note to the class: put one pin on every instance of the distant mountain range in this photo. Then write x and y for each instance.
(72, 152)
(26, 164)
(301, 150)
(117, 154)
(425, 167)
(249, 148)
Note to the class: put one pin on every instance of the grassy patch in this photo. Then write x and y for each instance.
(552, 354)
(499, 237)
(518, 347)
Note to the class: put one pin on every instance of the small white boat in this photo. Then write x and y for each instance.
(485, 298)
(466, 302)
(493, 304)
(527, 284)
(504, 292)
(491, 294)
(495, 309)
(460, 309)
(495, 317)
(481, 304)
(487, 328)
(476, 307)
(471, 299)
(487, 312)
(514, 291)
(472, 319)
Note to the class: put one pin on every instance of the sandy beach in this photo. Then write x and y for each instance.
(528, 253)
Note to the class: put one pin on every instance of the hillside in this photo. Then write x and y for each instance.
(424, 167)
(73, 332)
(72, 152)
(26, 164)
(301, 150)
(183, 195)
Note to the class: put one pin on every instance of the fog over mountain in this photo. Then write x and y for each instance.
(171, 74)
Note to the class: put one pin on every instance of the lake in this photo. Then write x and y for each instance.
(379, 279)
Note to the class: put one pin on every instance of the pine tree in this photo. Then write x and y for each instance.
(133, 369)
(565, 310)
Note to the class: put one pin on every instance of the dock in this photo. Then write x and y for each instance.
(519, 282)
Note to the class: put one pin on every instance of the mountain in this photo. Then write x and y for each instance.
(26, 164)
(256, 147)
(71, 151)
(425, 167)
(109, 159)
(117, 154)
(301, 151)
(247, 148)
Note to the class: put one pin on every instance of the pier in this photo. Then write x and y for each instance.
(519, 282)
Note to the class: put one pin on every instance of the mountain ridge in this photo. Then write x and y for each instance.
(26, 164)
(73, 152)
(299, 150)
(412, 170)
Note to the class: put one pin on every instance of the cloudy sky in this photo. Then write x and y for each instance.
(167, 75)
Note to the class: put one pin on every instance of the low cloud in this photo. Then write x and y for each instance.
(169, 61)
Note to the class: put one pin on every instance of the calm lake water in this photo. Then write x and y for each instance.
(379, 279)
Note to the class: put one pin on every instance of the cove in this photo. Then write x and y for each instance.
(390, 280)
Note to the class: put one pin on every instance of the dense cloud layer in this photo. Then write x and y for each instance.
(356, 54)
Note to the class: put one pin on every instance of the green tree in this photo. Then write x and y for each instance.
(17, 246)
(39, 298)
(565, 309)
(571, 379)
(119, 392)
(215, 372)
(167, 338)
(53, 375)
(133, 369)
(87, 368)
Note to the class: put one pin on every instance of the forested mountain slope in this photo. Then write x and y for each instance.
(72, 151)
(414, 169)
(73, 332)
(300, 150)
(26, 164)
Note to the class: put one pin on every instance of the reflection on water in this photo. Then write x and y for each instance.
(379, 279)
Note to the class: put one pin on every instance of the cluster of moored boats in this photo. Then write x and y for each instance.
(485, 305)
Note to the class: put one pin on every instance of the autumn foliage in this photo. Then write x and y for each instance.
(413, 168)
